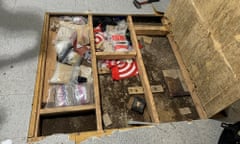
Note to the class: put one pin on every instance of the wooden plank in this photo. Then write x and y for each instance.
(35, 139)
(139, 89)
(143, 74)
(80, 137)
(57, 110)
(115, 55)
(201, 111)
(104, 71)
(47, 70)
(50, 65)
(150, 30)
(39, 80)
(95, 75)
(210, 49)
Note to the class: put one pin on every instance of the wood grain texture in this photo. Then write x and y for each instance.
(115, 55)
(141, 29)
(39, 80)
(80, 137)
(67, 109)
(208, 36)
(139, 89)
(185, 74)
(143, 74)
(95, 76)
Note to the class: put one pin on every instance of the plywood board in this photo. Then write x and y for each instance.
(206, 33)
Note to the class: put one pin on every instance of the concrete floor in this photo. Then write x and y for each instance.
(20, 31)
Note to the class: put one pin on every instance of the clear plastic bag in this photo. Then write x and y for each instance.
(83, 94)
(63, 74)
(82, 32)
(72, 58)
(70, 95)
(60, 95)
(62, 49)
(65, 33)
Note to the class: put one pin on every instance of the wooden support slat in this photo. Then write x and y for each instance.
(143, 74)
(33, 126)
(95, 75)
(150, 30)
(104, 71)
(139, 89)
(202, 113)
(57, 110)
(115, 55)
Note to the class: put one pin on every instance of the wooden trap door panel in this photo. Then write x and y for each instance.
(207, 37)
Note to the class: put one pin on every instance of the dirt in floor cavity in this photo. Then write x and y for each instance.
(114, 95)
(114, 100)
(159, 56)
(70, 123)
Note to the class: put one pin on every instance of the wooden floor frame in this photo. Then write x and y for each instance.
(33, 134)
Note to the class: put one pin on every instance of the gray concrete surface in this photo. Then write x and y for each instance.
(195, 132)
(20, 31)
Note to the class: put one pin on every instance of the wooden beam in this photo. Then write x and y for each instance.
(116, 55)
(143, 74)
(150, 30)
(95, 75)
(68, 109)
(104, 71)
(39, 80)
(201, 111)
(139, 89)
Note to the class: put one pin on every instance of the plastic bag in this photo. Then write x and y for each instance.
(86, 71)
(82, 31)
(121, 27)
(64, 33)
(72, 58)
(60, 95)
(79, 20)
(62, 49)
(63, 74)
(83, 94)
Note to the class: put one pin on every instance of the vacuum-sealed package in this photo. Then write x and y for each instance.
(83, 94)
(63, 95)
(69, 95)
(60, 95)
(63, 74)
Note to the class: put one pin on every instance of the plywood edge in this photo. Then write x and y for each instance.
(57, 110)
(218, 103)
(115, 55)
(39, 79)
(95, 75)
(143, 75)
(80, 137)
(200, 109)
